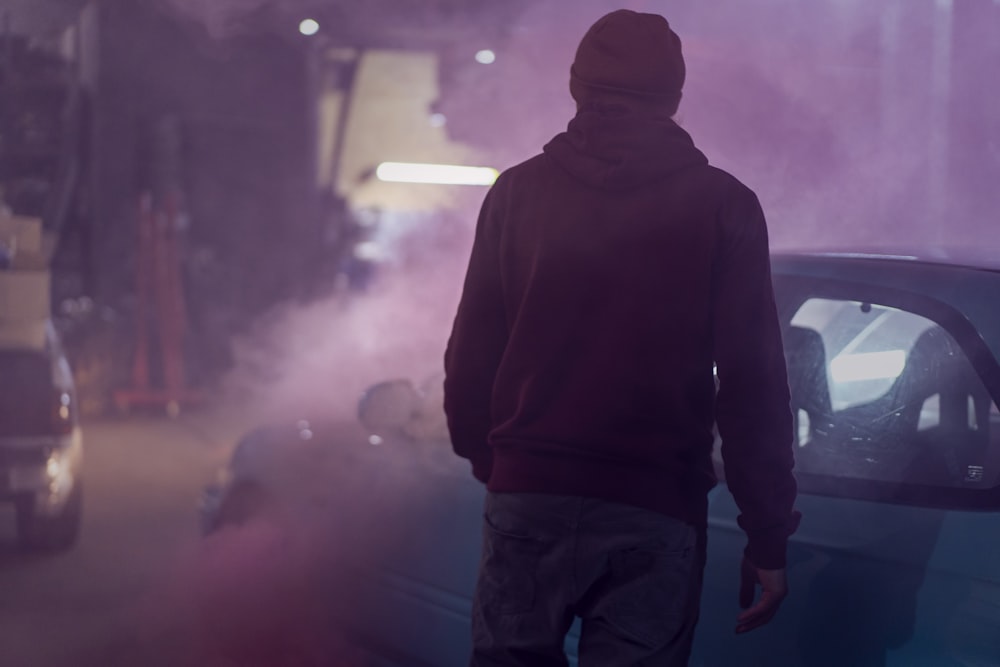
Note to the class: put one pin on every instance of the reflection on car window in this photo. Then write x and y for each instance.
(883, 394)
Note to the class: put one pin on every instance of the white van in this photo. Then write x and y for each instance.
(41, 445)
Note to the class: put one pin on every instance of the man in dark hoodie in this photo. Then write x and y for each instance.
(608, 276)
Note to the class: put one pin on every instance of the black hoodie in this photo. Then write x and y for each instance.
(607, 275)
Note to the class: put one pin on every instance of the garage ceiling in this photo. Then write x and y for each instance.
(39, 18)
(399, 23)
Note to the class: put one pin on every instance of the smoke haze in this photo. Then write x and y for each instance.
(314, 361)
(841, 115)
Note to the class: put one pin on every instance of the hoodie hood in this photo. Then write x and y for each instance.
(618, 149)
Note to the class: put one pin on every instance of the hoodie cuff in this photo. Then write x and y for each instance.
(767, 548)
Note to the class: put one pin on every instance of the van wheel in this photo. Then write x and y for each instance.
(50, 533)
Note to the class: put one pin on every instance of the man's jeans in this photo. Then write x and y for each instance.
(633, 576)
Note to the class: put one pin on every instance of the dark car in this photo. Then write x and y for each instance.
(895, 382)
(41, 444)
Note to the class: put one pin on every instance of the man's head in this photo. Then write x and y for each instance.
(629, 57)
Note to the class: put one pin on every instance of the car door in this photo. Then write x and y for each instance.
(897, 436)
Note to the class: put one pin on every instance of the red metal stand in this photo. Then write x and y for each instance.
(160, 313)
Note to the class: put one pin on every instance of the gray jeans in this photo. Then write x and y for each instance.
(632, 576)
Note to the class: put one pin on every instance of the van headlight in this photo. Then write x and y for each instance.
(59, 471)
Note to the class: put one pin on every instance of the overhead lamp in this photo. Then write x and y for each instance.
(435, 174)
(309, 27)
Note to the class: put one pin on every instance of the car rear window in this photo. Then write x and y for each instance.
(26, 393)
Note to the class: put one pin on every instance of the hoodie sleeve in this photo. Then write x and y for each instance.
(476, 346)
(752, 409)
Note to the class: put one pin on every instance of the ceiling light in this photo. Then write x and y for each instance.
(309, 27)
(436, 174)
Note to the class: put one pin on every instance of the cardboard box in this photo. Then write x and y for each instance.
(25, 296)
(21, 234)
(23, 335)
(30, 261)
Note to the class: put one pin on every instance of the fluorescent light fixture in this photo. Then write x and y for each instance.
(309, 27)
(436, 174)
(486, 57)
(868, 366)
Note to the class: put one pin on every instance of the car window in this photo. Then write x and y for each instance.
(883, 394)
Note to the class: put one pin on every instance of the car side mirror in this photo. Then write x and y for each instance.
(389, 406)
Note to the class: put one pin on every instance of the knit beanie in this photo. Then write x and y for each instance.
(632, 53)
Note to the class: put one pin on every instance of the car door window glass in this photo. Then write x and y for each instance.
(883, 394)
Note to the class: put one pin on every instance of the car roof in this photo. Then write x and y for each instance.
(970, 287)
(974, 258)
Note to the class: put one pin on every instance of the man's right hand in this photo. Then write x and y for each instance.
(774, 588)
